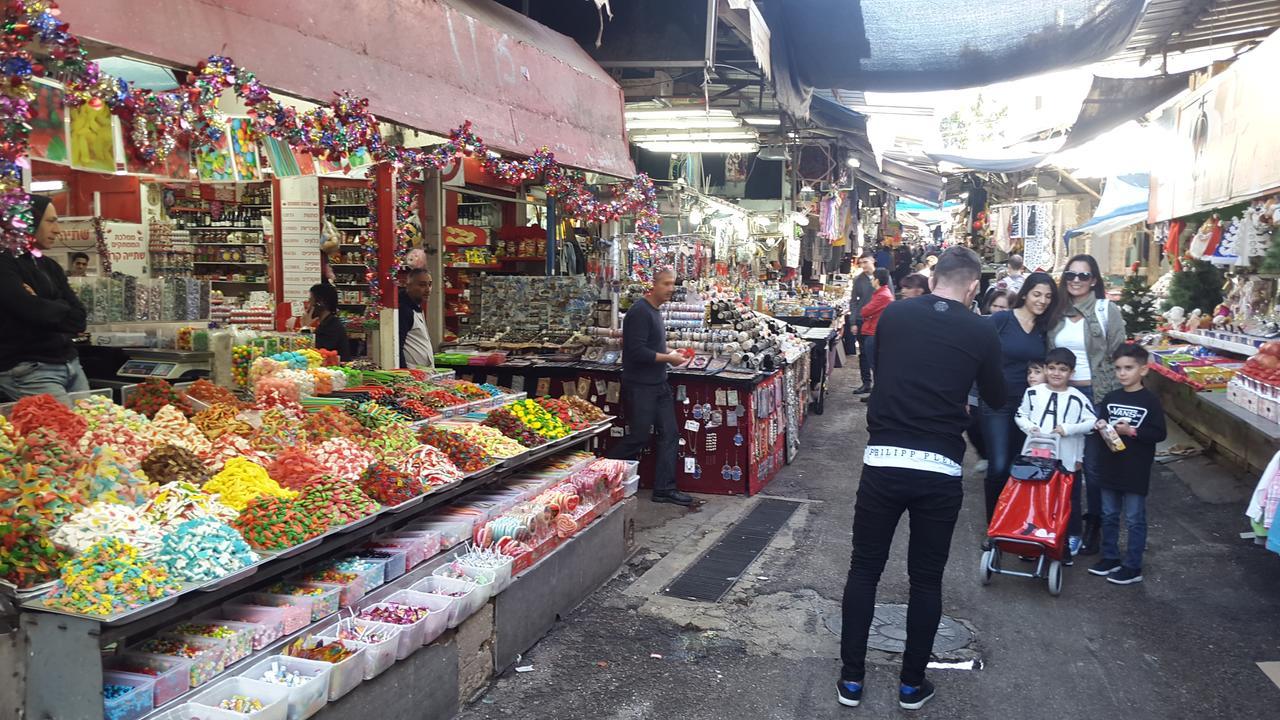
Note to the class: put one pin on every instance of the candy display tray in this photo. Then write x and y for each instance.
(43, 605)
(406, 505)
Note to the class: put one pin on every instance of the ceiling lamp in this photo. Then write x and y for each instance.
(701, 146)
(695, 216)
(692, 135)
(763, 120)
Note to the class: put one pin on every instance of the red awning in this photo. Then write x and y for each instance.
(426, 64)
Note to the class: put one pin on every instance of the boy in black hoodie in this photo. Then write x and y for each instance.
(39, 316)
(1138, 418)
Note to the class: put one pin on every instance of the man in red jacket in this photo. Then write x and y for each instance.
(870, 313)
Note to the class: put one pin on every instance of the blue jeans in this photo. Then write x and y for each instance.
(1135, 520)
(1004, 441)
(34, 378)
(867, 360)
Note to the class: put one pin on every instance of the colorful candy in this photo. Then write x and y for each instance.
(314, 648)
(102, 520)
(153, 394)
(490, 439)
(211, 394)
(237, 641)
(294, 467)
(336, 502)
(204, 549)
(240, 481)
(389, 485)
(170, 426)
(206, 660)
(393, 613)
(430, 466)
(243, 704)
(179, 502)
(278, 674)
(275, 523)
(171, 463)
(218, 420)
(343, 457)
(465, 453)
(109, 577)
(44, 411)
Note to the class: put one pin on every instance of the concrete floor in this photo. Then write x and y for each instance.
(1183, 644)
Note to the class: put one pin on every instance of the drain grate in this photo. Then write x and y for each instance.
(714, 573)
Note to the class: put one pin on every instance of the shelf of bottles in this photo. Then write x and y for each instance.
(347, 208)
(222, 241)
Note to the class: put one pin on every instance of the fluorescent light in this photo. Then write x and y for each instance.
(853, 162)
(672, 114)
(686, 146)
(806, 188)
(47, 186)
(692, 135)
(695, 216)
(682, 123)
(770, 120)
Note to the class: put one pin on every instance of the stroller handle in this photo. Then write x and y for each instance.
(1045, 446)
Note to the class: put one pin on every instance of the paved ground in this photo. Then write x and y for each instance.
(1181, 645)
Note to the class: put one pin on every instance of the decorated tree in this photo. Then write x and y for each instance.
(1198, 286)
(1137, 305)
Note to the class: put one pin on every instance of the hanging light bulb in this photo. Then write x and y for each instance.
(695, 216)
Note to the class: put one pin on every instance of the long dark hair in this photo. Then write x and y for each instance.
(1055, 297)
(1064, 298)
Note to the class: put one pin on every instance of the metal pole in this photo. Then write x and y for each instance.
(553, 232)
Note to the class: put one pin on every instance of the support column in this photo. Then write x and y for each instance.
(389, 317)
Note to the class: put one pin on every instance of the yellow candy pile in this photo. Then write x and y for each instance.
(240, 481)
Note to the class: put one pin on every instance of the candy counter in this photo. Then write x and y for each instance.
(206, 536)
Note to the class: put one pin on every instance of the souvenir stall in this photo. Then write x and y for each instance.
(265, 540)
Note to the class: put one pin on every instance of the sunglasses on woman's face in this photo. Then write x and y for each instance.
(1077, 276)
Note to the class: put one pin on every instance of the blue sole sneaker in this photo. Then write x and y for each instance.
(913, 697)
(849, 693)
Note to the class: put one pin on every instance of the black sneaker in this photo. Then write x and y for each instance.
(1125, 576)
(865, 389)
(1104, 567)
(849, 693)
(675, 497)
(913, 697)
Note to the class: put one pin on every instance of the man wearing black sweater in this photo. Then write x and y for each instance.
(41, 314)
(931, 350)
(646, 394)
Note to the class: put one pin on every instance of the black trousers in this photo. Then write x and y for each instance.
(867, 359)
(651, 408)
(932, 502)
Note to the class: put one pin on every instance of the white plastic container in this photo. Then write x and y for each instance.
(483, 579)
(437, 606)
(275, 699)
(501, 573)
(377, 656)
(410, 635)
(306, 699)
(465, 599)
(346, 675)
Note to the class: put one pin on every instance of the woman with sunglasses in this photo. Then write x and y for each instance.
(1024, 334)
(1092, 328)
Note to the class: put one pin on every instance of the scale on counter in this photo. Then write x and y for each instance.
(166, 364)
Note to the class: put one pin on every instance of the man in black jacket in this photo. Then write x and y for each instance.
(41, 314)
(862, 290)
(415, 342)
(929, 352)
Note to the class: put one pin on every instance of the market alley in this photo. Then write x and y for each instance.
(1183, 644)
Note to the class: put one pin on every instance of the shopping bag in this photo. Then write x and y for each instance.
(1035, 509)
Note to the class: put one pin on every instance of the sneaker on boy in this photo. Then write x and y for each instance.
(913, 697)
(1104, 567)
(849, 693)
(1125, 576)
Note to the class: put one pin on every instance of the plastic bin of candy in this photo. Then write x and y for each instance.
(305, 699)
(379, 655)
(414, 550)
(191, 711)
(425, 542)
(268, 622)
(483, 579)
(630, 486)
(126, 696)
(346, 674)
(437, 606)
(237, 636)
(371, 571)
(324, 598)
(205, 657)
(410, 632)
(350, 584)
(395, 561)
(172, 675)
(297, 608)
(461, 594)
(274, 699)
(451, 532)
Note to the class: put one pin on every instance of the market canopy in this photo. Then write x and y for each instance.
(428, 65)
(1124, 203)
(1111, 102)
(912, 45)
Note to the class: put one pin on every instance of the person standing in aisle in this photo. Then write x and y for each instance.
(1090, 326)
(1015, 273)
(79, 265)
(647, 397)
(1138, 418)
(41, 316)
(863, 288)
(931, 349)
(870, 315)
(415, 342)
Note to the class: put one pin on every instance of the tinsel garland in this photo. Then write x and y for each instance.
(159, 122)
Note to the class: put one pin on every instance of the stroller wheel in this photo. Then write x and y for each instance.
(1055, 578)
(986, 567)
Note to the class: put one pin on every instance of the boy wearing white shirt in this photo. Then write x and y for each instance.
(1056, 408)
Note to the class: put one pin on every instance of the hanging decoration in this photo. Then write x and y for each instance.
(159, 122)
(100, 240)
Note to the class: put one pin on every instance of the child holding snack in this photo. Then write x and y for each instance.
(1138, 418)
(1056, 408)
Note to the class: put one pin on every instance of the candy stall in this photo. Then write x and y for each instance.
(270, 549)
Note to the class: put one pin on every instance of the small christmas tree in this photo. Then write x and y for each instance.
(1137, 305)
(1198, 286)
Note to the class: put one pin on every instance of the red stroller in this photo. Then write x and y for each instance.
(1031, 516)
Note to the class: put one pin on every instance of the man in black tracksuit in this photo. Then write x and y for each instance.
(862, 290)
(929, 352)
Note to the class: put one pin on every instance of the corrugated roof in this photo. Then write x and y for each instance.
(1180, 25)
